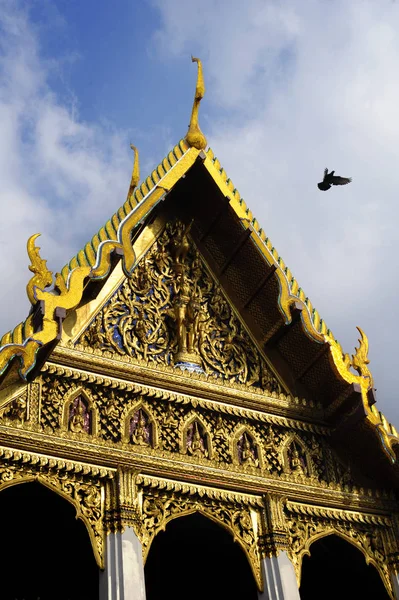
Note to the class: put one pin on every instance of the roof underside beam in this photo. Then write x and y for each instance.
(216, 219)
(324, 348)
(271, 338)
(261, 285)
(244, 238)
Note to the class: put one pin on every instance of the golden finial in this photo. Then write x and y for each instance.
(135, 173)
(360, 359)
(42, 277)
(195, 137)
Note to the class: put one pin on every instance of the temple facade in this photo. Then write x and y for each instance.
(177, 421)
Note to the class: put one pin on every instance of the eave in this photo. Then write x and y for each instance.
(279, 316)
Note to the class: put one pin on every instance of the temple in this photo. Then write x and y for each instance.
(177, 421)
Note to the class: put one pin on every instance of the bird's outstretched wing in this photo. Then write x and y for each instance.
(325, 173)
(337, 180)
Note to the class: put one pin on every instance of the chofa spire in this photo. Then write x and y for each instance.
(195, 137)
(135, 173)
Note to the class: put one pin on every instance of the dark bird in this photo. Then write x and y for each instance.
(330, 179)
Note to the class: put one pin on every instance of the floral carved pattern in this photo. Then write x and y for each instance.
(83, 492)
(304, 529)
(171, 306)
(160, 507)
(15, 411)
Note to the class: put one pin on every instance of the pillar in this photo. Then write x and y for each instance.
(392, 554)
(123, 575)
(395, 585)
(279, 580)
(278, 573)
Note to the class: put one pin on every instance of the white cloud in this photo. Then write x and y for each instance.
(59, 175)
(291, 88)
(303, 86)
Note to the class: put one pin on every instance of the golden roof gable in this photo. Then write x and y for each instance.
(27, 342)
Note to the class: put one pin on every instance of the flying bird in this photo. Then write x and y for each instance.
(330, 179)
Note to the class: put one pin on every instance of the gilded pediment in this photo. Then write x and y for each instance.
(171, 311)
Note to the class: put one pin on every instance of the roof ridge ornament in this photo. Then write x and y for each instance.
(42, 276)
(195, 138)
(135, 172)
(360, 359)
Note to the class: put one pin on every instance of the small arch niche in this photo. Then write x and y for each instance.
(296, 462)
(197, 440)
(141, 428)
(247, 450)
(80, 417)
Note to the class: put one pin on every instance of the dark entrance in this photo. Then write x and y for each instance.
(45, 553)
(195, 558)
(337, 570)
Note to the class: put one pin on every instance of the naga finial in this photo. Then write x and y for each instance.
(42, 277)
(360, 359)
(135, 173)
(195, 137)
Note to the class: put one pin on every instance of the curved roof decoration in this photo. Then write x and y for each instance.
(195, 138)
(93, 262)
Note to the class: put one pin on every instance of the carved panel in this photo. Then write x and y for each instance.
(165, 423)
(171, 311)
(16, 412)
(164, 501)
(307, 523)
(78, 483)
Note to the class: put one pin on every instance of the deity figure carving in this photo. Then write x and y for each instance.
(180, 243)
(79, 417)
(140, 429)
(16, 410)
(196, 445)
(172, 312)
(247, 451)
(220, 432)
(143, 277)
(169, 420)
(196, 266)
(244, 523)
(187, 309)
(296, 462)
(141, 329)
(161, 259)
(111, 409)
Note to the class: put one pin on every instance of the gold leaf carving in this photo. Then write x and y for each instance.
(172, 312)
(164, 501)
(307, 523)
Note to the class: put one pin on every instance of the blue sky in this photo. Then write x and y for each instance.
(292, 88)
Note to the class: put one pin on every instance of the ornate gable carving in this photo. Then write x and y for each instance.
(171, 311)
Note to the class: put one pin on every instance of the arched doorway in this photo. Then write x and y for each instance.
(45, 552)
(336, 569)
(197, 559)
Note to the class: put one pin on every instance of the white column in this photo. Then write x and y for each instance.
(123, 577)
(279, 581)
(395, 585)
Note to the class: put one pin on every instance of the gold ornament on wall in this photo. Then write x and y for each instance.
(140, 426)
(195, 439)
(308, 523)
(79, 414)
(167, 500)
(171, 311)
(245, 447)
